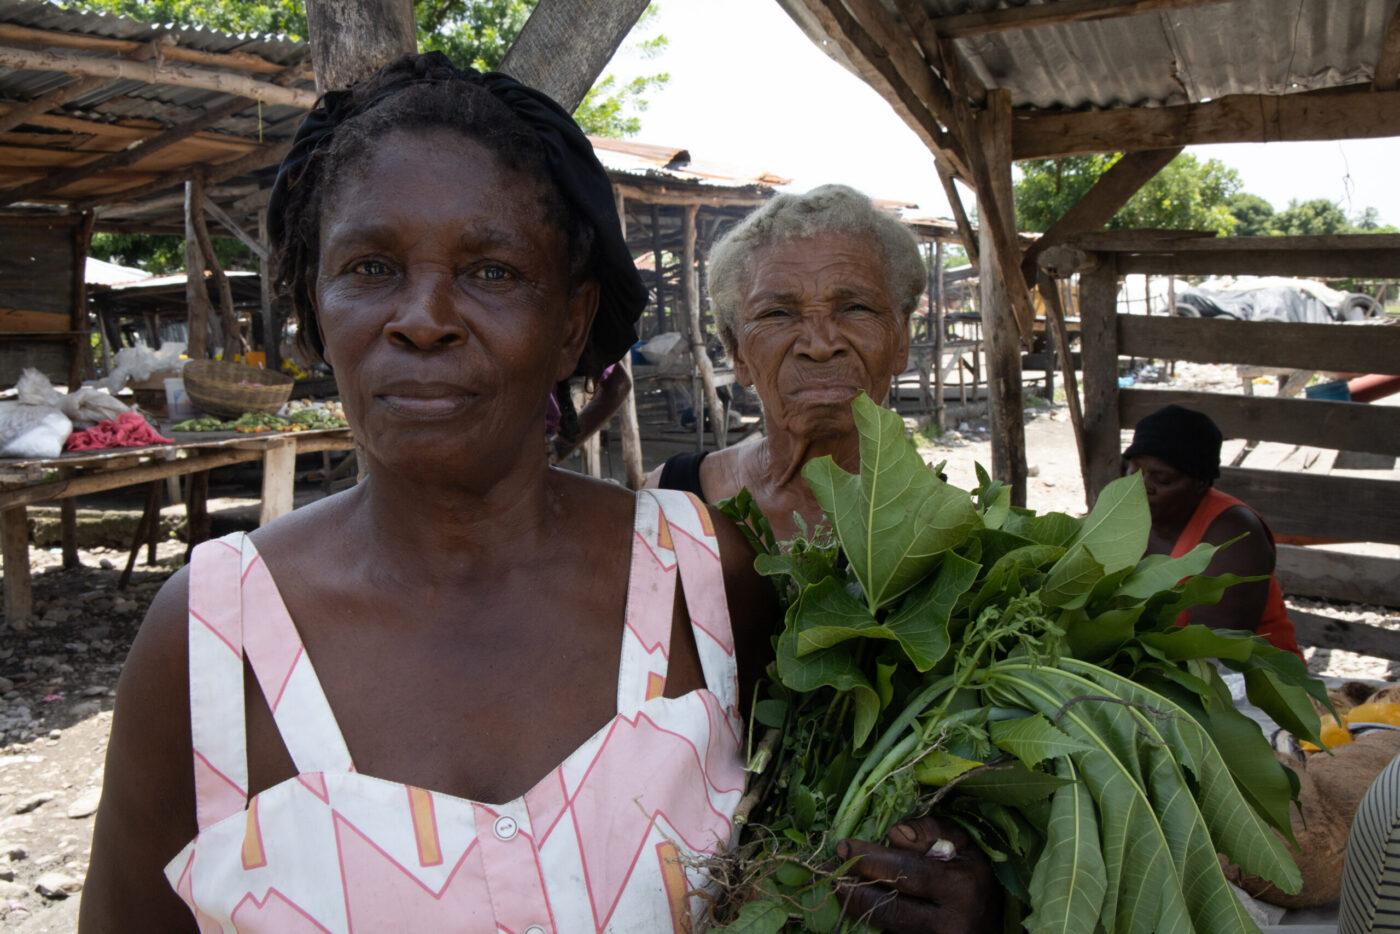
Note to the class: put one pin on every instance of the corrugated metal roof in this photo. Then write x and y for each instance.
(630, 157)
(1178, 56)
(46, 14)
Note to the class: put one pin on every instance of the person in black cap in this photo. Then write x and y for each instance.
(472, 693)
(1177, 451)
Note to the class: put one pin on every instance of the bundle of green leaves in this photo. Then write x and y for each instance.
(1020, 674)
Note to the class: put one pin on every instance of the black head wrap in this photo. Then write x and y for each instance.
(1187, 440)
(573, 167)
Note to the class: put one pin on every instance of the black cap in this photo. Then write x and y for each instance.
(1187, 440)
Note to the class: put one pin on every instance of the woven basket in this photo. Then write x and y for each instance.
(227, 390)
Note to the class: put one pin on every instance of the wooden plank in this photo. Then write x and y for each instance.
(1357, 264)
(966, 232)
(1335, 575)
(279, 480)
(19, 593)
(1347, 509)
(1387, 75)
(1345, 348)
(962, 25)
(1050, 289)
(1098, 205)
(1342, 426)
(129, 156)
(157, 72)
(1332, 633)
(1238, 118)
(259, 158)
(1098, 297)
(1203, 241)
(15, 320)
(232, 226)
(115, 479)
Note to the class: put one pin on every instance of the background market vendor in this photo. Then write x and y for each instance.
(1177, 451)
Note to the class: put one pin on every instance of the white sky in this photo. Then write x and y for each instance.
(749, 89)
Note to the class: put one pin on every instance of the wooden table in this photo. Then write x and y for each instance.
(25, 481)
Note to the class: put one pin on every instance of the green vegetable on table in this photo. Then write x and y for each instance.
(1019, 674)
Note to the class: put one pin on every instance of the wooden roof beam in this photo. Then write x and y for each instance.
(166, 47)
(1098, 205)
(1388, 63)
(156, 72)
(126, 157)
(1351, 113)
(42, 104)
(260, 158)
(969, 236)
(963, 25)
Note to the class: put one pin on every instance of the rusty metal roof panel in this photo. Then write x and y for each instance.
(1177, 56)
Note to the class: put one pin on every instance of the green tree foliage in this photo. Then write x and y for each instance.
(160, 254)
(1186, 195)
(1254, 216)
(1313, 218)
(474, 32)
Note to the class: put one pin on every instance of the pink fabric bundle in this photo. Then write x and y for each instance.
(128, 431)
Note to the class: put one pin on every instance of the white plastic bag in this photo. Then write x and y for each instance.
(32, 430)
(84, 408)
(138, 363)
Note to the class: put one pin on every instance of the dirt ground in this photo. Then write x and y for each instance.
(57, 677)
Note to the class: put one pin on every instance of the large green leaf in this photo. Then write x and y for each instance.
(758, 917)
(1116, 529)
(921, 622)
(1112, 537)
(834, 667)
(1159, 572)
(1033, 739)
(1068, 884)
(1097, 638)
(896, 517)
(827, 616)
(1011, 783)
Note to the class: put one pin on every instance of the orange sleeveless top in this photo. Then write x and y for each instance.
(1274, 625)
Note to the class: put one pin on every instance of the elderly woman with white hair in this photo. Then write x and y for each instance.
(812, 295)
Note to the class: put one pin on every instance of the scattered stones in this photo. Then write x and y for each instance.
(33, 802)
(94, 690)
(9, 890)
(6, 685)
(7, 872)
(57, 885)
(106, 564)
(14, 851)
(86, 804)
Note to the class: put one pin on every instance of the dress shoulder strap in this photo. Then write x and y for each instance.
(217, 732)
(285, 674)
(1207, 510)
(673, 538)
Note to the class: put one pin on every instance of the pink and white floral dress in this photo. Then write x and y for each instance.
(612, 839)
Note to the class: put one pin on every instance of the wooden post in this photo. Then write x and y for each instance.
(353, 38)
(631, 430)
(1098, 299)
(939, 409)
(1055, 316)
(68, 524)
(19, 595)
(81, 360)
(272, 333)
(196, 293)
(704, 369)
(232, 335)
(279, 479)
(661, 319)
(1002, 334)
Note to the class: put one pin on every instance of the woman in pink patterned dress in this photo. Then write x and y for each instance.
(473, 693)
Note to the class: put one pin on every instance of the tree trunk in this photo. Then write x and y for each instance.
(232, 335)
(566, 44)
(353, 38)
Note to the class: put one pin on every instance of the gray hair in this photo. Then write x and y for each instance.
(828, 209)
